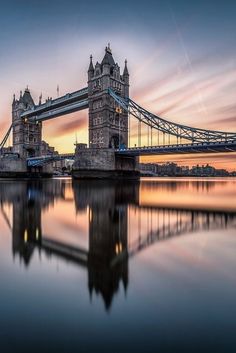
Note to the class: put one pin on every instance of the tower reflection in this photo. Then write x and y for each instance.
(108, 233)
(119, 226)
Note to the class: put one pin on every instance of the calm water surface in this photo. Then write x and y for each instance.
(118, 267)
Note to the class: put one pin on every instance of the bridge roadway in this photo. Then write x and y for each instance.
(213, 147)
(204, 147)
(42, 160)
(52, 108)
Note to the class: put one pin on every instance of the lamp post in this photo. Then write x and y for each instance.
(119, 111)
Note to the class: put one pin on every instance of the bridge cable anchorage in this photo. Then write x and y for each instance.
(5, 138)
(195, 135)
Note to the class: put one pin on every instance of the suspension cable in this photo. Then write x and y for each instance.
(195, 135)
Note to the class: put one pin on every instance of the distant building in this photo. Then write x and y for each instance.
(46, 150)
(172, 169)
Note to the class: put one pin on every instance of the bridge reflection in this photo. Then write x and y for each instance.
(119, 225)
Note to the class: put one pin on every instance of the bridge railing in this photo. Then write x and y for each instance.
(42, 160)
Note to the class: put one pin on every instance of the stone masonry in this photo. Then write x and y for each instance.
(108, 124)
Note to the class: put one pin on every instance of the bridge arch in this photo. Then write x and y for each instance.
(116, 140)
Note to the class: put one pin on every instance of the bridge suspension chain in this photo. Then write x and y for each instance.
(195, 135)
(5, 138)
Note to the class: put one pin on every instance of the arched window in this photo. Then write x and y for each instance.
(31, 138)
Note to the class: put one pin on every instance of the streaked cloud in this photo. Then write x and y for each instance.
(182, 63)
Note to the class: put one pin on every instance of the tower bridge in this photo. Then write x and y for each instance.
(111, 111)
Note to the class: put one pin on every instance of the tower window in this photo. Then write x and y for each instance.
(31, 138)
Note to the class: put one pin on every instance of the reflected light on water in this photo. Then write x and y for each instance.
(133, 250)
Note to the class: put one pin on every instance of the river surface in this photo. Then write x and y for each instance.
(98, 266)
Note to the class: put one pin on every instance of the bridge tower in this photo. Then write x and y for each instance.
(26, 219)
(108, 123)
(27, 135)
(108, 234)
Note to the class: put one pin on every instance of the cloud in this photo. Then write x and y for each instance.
(67, 124)
(228, 120)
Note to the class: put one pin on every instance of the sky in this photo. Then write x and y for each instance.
(181, 58)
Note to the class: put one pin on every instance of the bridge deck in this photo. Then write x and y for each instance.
(216, 147)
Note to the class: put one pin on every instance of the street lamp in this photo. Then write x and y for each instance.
(119, 111)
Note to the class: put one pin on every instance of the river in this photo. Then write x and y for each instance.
(90, 266)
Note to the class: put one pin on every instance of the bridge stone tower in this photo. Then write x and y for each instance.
(108, 123)
(27, 135)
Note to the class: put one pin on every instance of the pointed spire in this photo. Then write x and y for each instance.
(27, 98)
(108, 48)
(21, 98)
(40, 99)
(126, 72)
(108, 58)
(14, 98)
(91, 68)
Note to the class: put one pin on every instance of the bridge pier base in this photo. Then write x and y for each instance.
(104, 163)
(11, 167)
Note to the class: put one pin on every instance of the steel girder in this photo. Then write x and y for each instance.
(4, 140)
(42, 160)
(195, 135)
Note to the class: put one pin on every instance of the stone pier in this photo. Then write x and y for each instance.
(102, 163)
(15, 167)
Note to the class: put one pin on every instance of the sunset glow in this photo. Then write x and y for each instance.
(182, 66)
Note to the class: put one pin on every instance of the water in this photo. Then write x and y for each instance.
(111, 267)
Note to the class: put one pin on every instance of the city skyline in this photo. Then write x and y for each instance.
(173, 169)
(182, 62)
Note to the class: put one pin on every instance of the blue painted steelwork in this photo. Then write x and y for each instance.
(42, 160)
(204, 147)
(66, 104)
(195, 135)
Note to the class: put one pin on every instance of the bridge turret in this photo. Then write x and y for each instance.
(14, 99)
(126, 79)
(108, 125)
(27, 135)
(108, 62)
(91, 68)
(28, 100)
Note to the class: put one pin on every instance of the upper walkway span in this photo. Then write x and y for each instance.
(52, 108)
